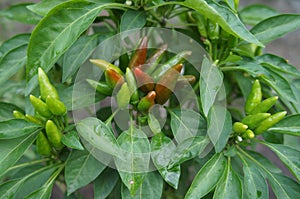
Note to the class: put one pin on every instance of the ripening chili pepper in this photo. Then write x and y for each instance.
(249, 134)
(269, 122)
(113, 78)
(265, 105)
(154, 59)
(123, 96)
(56, 106)
(177, 59)
(254, 120)
(185, 80)
(40, 106)
(254, 97)
(54, 134)
(46, 88)
(101, 87)
(146, 102)
(104, 65)
(18, 115)
(132, 86)
(167, 83)
(139, 56)
(143, 80)
(33, 119)
(239, 127)
(43, 146)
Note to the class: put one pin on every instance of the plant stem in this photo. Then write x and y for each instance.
(28, 163)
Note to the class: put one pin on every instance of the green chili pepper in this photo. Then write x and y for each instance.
(154, 60)
(239, 127)
(124, 61)
(101, 87)
(254, 120)
(167, 83)
(113, 78)
(43, 146)
(46, 88)
(249, 134)
(104, 65)
(132, 86)
(213, 30)
(269, 122)
(18, 115)
(146, 102)
(177, 59)
(123, 96)
(40, 106)
(265, 105)
(201, 23)
(33, 119)
(56, 106)
(54, 134)
(139, 56)
(254, 97)
(143, 80)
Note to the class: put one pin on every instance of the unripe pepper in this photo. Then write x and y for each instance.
(104, 65)
(201, 22)
(154, 60)
(139, 56)
(265, 105)
(54, 134)
(239, 127)
(33, 119)
(40, 106)
(46, 88)
(18, 115)
(146, 102)
(254, 120)
(56, 106)
(101, 87)
(167, 83)
(177, 59)
(269, 122)
(143, 80)
(132, 86)
(249, 134)
(123, 96)
(113, 78)
(43, 146)
(254, 97)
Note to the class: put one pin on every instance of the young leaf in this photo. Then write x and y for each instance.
(105, 183)
(152, 187)
(162, 148)
(71, 139)
(6, 110)
(289, 125)
(16, 128)
(219, 126)
(81, 169)
(132, 19)
(154, 123)
(208, 177)
(211, 81)
(12, 150)
(186, 124)
(275, 27)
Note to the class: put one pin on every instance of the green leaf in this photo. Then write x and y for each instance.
(289, 125)
(133, 159)
(208, 177)
(13, 43)
(6, 111)
(188, 149)
(186, 124)
(211, 81)
(229, 186)
(154, 123)
(132, 19)
(105, 183)
(71, 139)
(162, 148)
(222, 15)
(20, 13)
(12, 150)
(288, 155)
(219, 126)
(44, 6)
(275, 27)
(16, 128)
(81, 169)
(12, 62)
(98, 134)
(255, 13)
(43, 193)
(152, 187)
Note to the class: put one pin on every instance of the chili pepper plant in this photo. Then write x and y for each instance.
(148, 99)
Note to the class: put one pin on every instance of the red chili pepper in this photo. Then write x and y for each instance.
(143, 80)
(113, 78)
(139, 56)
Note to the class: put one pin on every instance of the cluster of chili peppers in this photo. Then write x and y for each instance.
(50, 113)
